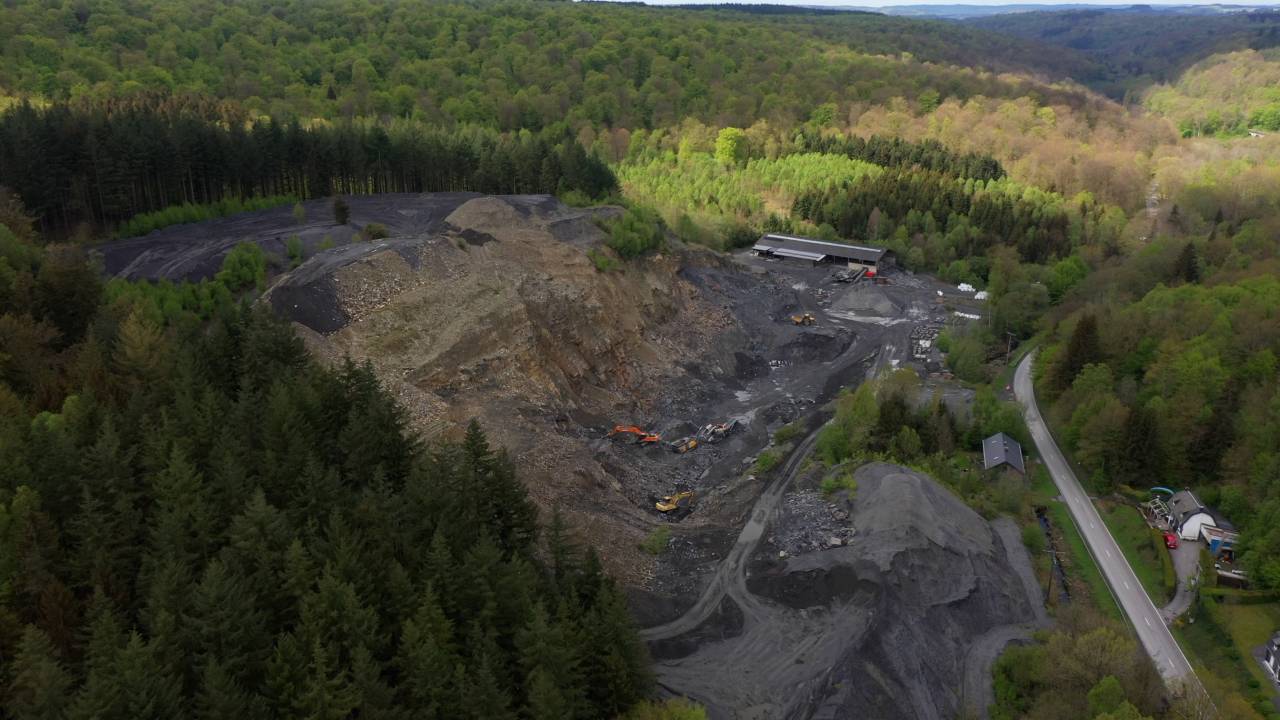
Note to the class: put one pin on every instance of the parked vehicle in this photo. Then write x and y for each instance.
(1171, 540)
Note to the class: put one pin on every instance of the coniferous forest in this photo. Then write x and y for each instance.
(106, 162)
(199, 521)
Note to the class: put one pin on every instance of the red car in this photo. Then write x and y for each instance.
(1170, 540)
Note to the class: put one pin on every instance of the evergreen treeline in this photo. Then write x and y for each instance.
(103, 163)
(198, 521)
(967, 216)
(927, 154)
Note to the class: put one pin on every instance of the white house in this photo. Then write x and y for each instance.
(1187, 515)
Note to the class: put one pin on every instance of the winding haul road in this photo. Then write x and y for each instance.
(1146, 619)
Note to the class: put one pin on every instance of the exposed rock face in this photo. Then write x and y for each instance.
(495, 311)
(886, 626)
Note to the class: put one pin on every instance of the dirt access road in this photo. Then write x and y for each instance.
(747, 648)
(1146, 620)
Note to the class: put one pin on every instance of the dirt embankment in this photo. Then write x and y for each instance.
(767, 603)
(881, 627)
(496, 312)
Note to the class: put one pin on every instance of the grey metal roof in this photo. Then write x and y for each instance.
(777, 244)
(1000, 449)
(1183, 505)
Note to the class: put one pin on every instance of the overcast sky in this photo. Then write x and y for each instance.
(883, 3)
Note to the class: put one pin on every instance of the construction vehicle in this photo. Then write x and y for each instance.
(805, 319)
(675, 506)
(639, 436)
(683, 445)
(715, 432)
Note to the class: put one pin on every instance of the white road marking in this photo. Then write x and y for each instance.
(1126, 585)
(1148, 621)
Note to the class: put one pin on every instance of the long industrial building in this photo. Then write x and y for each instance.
(872, 259)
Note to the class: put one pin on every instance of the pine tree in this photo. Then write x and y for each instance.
(377, 699)
(39, 685)
(551, 666)
(426, 660)
(219, 696)
(616, 664)
(148, 688)
(225, 623)
(326, 692)
(1083, 348)
(1187, 268)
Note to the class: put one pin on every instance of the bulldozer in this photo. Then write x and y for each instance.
(805, 319)
(675, 506)
(639, 436)
(683, 445)
(715, 432)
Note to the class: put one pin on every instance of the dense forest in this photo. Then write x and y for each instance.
(1226, 95)
(197, 520)
(1138, 47)
(104, 163)
(505, 65)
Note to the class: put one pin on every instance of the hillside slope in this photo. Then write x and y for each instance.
(507, 65)
(1138, 48)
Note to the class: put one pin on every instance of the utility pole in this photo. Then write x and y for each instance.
(1008, 350)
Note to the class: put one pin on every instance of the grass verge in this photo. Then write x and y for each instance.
(1133, 535)
(1078, 563)
(1218, 639)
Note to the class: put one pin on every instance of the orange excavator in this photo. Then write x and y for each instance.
(639, 436)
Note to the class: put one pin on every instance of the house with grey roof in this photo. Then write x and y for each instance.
(1188, 516)
(1000, 449)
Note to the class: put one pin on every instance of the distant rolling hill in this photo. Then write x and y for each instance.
(1141, 46)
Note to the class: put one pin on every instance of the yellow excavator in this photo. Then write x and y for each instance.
(675, 506)
(805, 319)
(683, 445)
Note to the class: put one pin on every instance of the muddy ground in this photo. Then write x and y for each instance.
(489, 307)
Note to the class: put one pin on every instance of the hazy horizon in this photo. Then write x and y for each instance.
(991, 3)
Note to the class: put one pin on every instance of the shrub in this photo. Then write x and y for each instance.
(374, 231)
(293, 247)
(299, 213)
(837, 481)
(1033, 539)
(144, 223)
(675, 709)
(575, 198)
(245, 265)
(657, 540)
(327, 243)
(739, 235)
(601, 260)
(637, 232)
(766, 461)
(341, 211)
(788, 432)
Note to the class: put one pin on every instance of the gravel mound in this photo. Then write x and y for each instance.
(878, 627)
(869, 300)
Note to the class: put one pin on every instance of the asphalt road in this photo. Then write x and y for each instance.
(1143, 615)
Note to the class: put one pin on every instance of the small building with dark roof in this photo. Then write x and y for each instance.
(865, 257)
(1000, 449)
